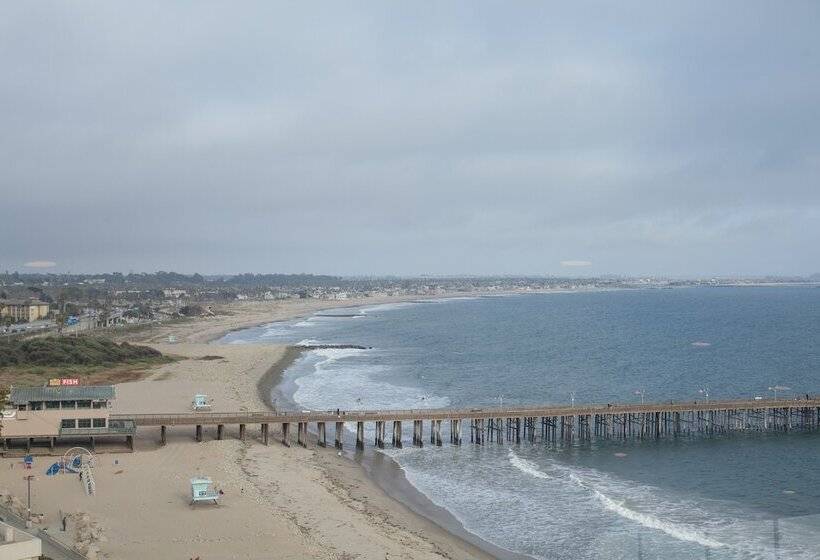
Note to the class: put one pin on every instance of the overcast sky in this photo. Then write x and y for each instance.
(411, 138)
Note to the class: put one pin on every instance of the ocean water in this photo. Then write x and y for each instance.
(741, 496)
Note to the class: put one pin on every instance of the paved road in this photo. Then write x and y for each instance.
(51, 548)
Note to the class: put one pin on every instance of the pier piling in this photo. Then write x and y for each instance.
(360, 435)
(320, 427)
(286, 434)
(397, 433)
(455, 432)
(380, 434)
(418, 438)
(301, 433)
(340, 430)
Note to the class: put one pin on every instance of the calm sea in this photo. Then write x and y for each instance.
(742, 496)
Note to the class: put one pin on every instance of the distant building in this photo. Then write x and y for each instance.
(109, 320)
(174, 293)
(24, 310)
(18, 545)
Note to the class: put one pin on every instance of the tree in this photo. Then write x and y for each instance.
(70, 293)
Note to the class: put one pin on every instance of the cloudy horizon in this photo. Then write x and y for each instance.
(461, 138)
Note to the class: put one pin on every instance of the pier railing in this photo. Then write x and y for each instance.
(212, 418)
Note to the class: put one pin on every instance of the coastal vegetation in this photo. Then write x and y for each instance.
(92, 359)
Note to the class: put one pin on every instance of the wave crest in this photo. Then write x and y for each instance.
(675, 530)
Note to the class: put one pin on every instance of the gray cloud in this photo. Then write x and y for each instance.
(467, 138)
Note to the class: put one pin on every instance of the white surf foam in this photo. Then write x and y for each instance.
(276, 330)
(526, 466)
(676, 530)
(672, 529)
(308, 342)
(339, 381)
(386, 307)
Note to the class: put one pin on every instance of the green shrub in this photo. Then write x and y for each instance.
(71, 351)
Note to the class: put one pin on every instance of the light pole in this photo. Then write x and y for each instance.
(572, 399)
(777, 388)
(705, 393)
(640, 392)
(500, 401)
(28, 479)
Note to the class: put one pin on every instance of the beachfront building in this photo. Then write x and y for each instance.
(24, 310)
(18, 545)
(63, 413)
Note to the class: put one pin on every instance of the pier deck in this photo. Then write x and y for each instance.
(499, 424)
(211, 418)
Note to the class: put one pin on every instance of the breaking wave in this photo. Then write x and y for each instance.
(676, 530)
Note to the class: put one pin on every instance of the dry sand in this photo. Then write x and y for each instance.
(279, 502)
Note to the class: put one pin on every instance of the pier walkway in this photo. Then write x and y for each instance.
(512, 424)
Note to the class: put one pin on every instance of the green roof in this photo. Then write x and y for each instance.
(25, 395)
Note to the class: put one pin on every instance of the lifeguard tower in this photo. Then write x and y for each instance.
(202, 490)
(201, 403)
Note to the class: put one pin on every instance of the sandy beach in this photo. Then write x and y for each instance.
(279, 502)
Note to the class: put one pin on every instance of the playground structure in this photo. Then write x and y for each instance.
(77, 460)
(201, 403)
(202, 490)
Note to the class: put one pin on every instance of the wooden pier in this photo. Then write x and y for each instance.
(549, 424)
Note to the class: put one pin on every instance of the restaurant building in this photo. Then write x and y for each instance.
(46, 416)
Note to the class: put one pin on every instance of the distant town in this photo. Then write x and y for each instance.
(31, 303)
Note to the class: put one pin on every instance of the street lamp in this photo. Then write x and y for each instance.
(704, 392)
(777, 388)
(640, 392)
(28, 479)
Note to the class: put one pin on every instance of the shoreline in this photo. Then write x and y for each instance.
(278, 502)
(273, 377)
(397, 514)
(239, 316)
(386, 473)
